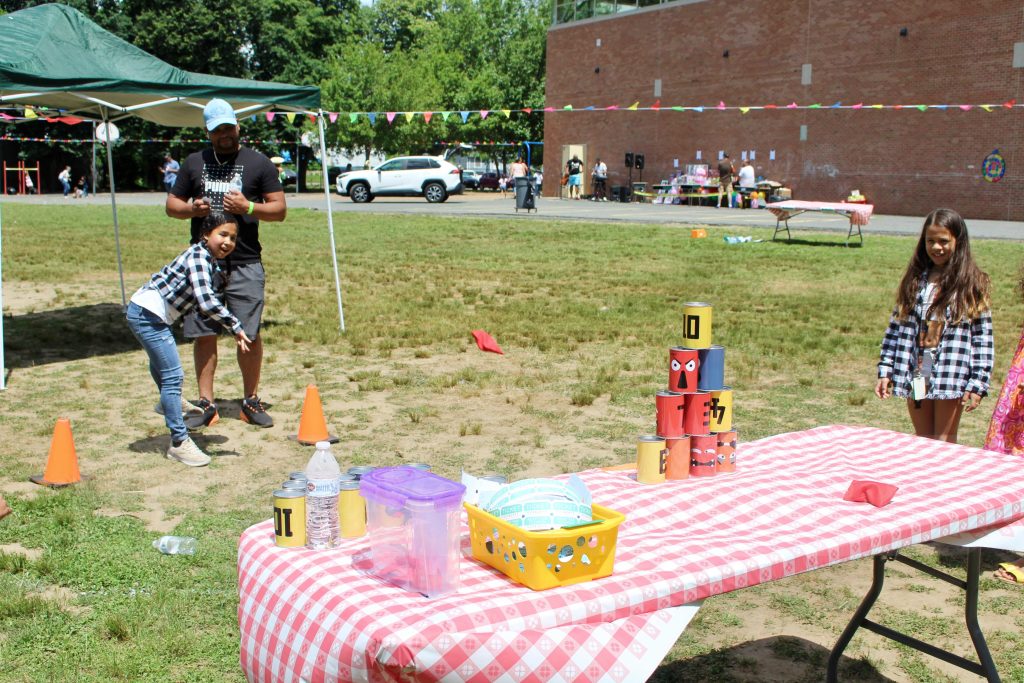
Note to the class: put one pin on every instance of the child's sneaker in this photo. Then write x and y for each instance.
(188, 453)
(254, 413)
(206, 416)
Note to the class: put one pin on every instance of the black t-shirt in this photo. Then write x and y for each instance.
(203, 176)
(575, 167)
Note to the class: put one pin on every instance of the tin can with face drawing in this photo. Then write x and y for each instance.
(726, 450)
(669, 406)
(290, 518)
(703, 455)
(651, 457)
(697, 324)
(678, 463)
(682, 369)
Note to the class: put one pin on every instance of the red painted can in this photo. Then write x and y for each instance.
(683, 365)
(726, 448)
(670, 405)
(703, 454)
(697, 413)
(678, 465)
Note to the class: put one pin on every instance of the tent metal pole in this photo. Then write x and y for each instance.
(92, 177)
(3, 367)
(113, 206)
(330, 214)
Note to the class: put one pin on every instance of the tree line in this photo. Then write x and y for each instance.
(391, 55)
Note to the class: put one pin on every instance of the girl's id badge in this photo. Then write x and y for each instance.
(918, 388)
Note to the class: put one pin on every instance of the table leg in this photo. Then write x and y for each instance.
(985, 668)
(777, 228)
(860, 234)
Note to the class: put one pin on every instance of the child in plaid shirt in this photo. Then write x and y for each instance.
(938, 349)
(186, 282)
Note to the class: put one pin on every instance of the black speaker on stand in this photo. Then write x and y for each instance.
(638, 160)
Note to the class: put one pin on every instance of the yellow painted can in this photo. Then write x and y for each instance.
(721, 410)
(290, 518)
(351, 510)
(651, 459)
(697, 324)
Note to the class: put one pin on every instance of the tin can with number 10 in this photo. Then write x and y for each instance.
(697, 324)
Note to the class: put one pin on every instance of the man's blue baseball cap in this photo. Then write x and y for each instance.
(217, 112)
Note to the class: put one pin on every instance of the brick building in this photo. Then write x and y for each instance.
(701, 52)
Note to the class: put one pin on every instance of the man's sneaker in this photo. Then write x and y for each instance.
(188, 453)
(187, 407)
(254, 413)
(206, 416)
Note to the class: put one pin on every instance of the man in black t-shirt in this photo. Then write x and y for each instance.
(574, 168)
(232, 179)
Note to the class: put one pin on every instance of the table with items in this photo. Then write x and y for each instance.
(857, 214)
(313, 616)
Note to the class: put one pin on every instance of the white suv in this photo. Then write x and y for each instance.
(430, 177)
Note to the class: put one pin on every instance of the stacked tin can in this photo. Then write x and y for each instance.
(695, 435)
(290, 508)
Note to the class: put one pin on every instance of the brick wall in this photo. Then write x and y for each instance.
(906, 161)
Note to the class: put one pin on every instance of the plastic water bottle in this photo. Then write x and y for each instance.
(323, 528)
(235, 185)
(176, 545)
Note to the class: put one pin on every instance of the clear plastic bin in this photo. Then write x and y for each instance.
(413, 522)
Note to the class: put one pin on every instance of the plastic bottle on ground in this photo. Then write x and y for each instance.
(176, 545)
(323, 529)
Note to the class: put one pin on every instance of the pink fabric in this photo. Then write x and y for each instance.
(1006, 430)
(859, 214)
(310, 615)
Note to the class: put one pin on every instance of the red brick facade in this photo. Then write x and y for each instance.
(906, 161)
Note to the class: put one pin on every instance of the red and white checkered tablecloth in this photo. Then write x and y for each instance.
(309, 616)
(859, 214)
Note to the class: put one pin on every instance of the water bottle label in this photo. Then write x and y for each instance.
(322, 488)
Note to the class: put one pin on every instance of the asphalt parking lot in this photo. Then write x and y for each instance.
(493, 204)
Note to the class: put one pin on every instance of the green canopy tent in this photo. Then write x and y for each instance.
(53, 56)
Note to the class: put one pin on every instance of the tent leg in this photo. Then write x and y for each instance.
(330, 215)
(113, 206)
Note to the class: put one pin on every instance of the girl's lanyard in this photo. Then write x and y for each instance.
(929, 341)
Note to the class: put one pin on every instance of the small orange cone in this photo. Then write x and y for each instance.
(62, 464)
(312, 425)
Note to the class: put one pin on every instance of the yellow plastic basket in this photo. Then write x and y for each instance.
(545, 559)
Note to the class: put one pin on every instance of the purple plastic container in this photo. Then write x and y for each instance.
(413, 520)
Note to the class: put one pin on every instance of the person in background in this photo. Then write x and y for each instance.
(574, 169)
(726, 173)
(189, 281)
(600, 182)
(278, 163)
(30, 187)
(81, 188)
(232, 179)
(938, 351)
(65, 180)
(747, 179)
(170, 170)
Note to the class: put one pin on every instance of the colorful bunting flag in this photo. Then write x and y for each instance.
(464, 115)
(445, 115)
(353, 116)
(390, 116)
(270, 116)
(409, 115)
(633, 106)
(290, 116)
(507, 113)
(483, 114)
(373, 118)
(427, 115)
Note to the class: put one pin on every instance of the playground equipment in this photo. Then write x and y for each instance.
(24, 183)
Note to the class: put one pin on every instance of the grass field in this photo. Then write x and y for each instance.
(585, 313)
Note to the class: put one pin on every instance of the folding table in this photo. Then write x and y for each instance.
(309, 615)
(857, 214)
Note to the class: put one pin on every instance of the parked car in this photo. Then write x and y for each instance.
(471, 179)
(415, 176)
(489, 181)
(290, 177)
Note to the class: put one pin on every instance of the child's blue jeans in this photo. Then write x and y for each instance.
(164, 364)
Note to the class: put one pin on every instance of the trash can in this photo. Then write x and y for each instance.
(525, 198)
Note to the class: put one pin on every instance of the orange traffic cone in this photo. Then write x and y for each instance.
(312, 425)
(62, 464)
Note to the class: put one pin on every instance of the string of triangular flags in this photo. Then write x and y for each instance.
(464, 115)
(247, 141)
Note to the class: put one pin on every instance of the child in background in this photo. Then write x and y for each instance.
(186, 282)
(938, 349)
